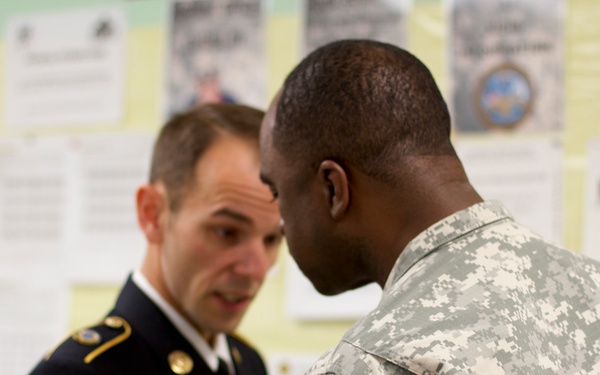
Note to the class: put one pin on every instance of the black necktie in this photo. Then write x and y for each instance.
(222, 370)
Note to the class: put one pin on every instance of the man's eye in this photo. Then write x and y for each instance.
(273, 239)
(274, 193)
(225, 233)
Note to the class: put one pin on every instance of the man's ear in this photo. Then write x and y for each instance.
(151, 202)
(335, 185)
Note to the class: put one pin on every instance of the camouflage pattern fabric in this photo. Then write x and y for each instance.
(477, 293)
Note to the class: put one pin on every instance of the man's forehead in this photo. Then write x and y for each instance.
(237, 192)
(266, 137)
(271, 114)
(267, 155)
(268, 123)
(245, 205)
(266, 144)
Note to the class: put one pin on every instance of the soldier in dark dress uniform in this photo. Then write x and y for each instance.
(213, 231)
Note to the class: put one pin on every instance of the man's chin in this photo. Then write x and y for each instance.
(218, 325)
(333, 290)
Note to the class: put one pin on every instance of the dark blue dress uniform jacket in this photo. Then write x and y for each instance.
(137, 338)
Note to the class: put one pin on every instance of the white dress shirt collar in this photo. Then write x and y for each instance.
(211, 356)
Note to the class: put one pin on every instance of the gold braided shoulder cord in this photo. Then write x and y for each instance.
(109, 344)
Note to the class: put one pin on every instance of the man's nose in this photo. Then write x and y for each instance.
(253, 260)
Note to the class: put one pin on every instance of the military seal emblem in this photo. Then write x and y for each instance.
(503, 97)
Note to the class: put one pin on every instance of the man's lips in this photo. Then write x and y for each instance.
(234, 302)
(233, 297)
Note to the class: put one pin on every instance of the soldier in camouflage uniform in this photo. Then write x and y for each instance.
(357, 148)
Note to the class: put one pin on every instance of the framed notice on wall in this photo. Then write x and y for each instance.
(306, 304)
(216, 54)
(65, 68)
(329, 20)
(506, 65)
(525, 175)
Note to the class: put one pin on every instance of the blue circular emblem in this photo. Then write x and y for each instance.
(87, 337)
(503, 97)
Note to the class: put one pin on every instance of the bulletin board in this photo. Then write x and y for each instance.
(55, 168)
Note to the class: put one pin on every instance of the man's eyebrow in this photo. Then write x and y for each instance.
(232, 214)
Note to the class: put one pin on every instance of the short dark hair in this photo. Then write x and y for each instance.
(361, 102)
(185, 138)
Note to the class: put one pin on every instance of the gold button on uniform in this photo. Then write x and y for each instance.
(180, 362)
(113, 322)
(237, 356)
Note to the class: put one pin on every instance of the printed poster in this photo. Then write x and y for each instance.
(65, 68)
(68, 210)
(33, 319)
(105, 242)
(33, 195)
(33, 290)
(507, 65)
(217, 54)
(305, 303)
(67, 213)
(525, 175)
(329, 20)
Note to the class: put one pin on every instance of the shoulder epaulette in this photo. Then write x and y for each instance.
(113, 322)
(91, 337)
